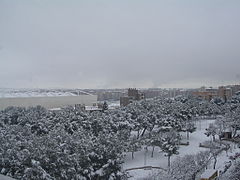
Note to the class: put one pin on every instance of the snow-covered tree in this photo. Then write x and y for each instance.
(105, 106)
(170, 144)
(211, 131)
(67, 144)
(134, 145)
(186, 167)
(233, 173)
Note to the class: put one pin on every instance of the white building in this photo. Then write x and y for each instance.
(49, 102)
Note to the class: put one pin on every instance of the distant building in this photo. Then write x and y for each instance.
(124, 101)
(110, 95)
(206, 93)
(151, 93)
(224, 92)
(174, 92)
(133, 95)
(235, 89)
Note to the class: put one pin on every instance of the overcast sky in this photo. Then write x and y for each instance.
(119, 43)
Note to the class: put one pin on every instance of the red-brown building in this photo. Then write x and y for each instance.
(224, 92)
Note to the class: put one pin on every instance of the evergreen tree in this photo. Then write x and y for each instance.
(105, 106)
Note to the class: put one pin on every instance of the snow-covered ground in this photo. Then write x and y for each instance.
(2, 177)
(143, 158)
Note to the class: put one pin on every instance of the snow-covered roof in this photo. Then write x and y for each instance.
(211, 89)
(55, 109)
(92, 108)
(13, 93)
(227, 130)
(208, 173)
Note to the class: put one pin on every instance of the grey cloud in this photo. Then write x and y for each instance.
(95, 44)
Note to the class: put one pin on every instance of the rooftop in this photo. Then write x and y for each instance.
(13, 93)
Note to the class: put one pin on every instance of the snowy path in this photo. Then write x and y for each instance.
(2, 177)
(159, 160)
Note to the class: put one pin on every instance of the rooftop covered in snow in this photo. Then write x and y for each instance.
(13, 93)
